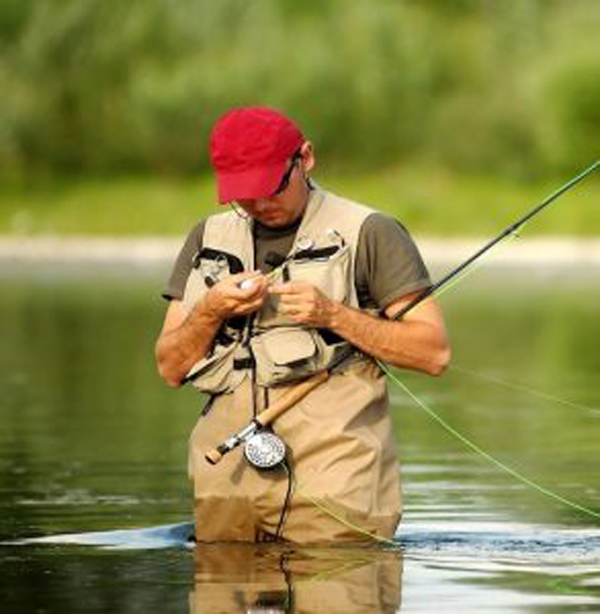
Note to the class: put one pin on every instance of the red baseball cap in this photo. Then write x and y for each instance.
(249, 150)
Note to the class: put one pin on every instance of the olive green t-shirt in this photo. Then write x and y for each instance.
(388, 264)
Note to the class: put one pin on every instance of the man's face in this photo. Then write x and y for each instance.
(288, 204)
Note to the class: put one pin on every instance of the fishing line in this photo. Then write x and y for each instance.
(521, 388)
(443, 285)
(509, 230)
(466, 441)
(473, 267)
(344, 521)
(457, 275)
(504, 467)
(340, 569)
(468, 271)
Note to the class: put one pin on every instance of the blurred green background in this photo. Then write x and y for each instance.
(455, 115)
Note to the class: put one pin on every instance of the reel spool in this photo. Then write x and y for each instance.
(264, 450)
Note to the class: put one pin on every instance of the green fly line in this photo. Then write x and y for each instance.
(474, 266)
(520, 387)
(443, 286)
(353, 527)
(502, 382)
(470, 444)
(465, 440)
(512, 234)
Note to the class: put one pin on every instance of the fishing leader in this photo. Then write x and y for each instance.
(264, 295)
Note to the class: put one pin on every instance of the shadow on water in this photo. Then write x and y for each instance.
(476, 541)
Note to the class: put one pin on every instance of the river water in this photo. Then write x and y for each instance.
(95, 505)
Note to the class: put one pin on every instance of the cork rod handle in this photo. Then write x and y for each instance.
(290, 398)
(287, 400)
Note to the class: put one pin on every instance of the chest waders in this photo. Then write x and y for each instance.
(340, 444)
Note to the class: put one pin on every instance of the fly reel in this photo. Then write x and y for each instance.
(264, 450)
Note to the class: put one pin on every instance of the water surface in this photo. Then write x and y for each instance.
(93, 444)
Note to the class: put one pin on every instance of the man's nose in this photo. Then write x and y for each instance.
(255, 205)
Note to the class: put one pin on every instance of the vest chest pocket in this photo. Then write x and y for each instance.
(283, 355)
(329, 273)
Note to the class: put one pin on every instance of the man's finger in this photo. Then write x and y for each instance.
(292, 306)
(245, 307)
(292, 299)
(251, 288)
(290, 287)
(247, 288)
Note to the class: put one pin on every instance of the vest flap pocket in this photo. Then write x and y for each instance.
(215, 373)
(289, 346)
(284, 354)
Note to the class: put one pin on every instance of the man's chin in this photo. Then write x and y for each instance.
(280, 221)
(274, 222)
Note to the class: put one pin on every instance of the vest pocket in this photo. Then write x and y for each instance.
(283, 355)
(329, 273)
(215, 373)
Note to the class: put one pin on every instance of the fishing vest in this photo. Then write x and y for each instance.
(269, 343)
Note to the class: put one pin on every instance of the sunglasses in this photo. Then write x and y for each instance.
(285, 180)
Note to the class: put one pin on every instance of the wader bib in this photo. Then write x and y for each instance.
(340, 443)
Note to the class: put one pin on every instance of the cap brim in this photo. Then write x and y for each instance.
(260, 182)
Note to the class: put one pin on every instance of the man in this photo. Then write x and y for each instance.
(270, 292)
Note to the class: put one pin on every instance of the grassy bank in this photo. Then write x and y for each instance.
(429, 202)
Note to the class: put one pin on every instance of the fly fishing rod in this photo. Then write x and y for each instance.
(264, 449)
(509, 230)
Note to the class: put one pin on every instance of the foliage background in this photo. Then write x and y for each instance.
(494, 93)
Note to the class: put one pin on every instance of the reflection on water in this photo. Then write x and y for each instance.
(471, 563)
(248, 578)
(91, 441)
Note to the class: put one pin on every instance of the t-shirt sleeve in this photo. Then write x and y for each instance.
(388, 263)
(183, 265)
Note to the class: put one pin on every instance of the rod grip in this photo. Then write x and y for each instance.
(290, 398)
(287, 400)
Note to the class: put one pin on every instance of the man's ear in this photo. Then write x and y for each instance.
(307, 153)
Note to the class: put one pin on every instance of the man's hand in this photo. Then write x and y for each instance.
(417, 342)
(305, 304)
(236, 295)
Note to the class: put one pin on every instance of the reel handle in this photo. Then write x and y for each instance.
(287, 400)
(213, 456)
